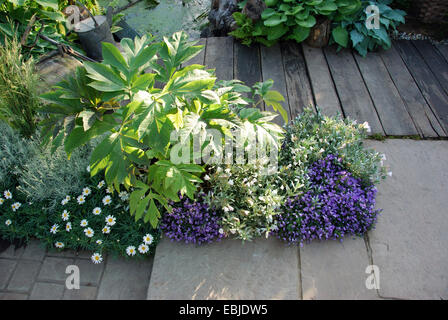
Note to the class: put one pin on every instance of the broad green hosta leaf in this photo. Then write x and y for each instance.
(299, 34)
(340, 35)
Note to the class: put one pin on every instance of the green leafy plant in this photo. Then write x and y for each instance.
(352, 31)
(18, 93)
(288, 19)
(135, 119)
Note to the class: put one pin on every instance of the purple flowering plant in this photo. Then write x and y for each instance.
(336, 205)
(192, 221)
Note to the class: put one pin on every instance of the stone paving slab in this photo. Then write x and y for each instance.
(410, 242)
(126, 279)
(335, 270)
(230, 269)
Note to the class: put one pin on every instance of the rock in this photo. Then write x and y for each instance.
(220, 17)
(254, 8)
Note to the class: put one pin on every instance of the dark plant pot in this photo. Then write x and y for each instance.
(91, 35)
(320, 33)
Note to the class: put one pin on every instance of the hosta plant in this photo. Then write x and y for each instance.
(351, 31)
(143, 103)
(288, 19)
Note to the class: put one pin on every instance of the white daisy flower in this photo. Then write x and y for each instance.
(65, 215)
(54, 229)
(68, 226)
(143, 248)
(107, 200)
(2, 201)
(148, 239)
(130, 251)
(106, 229)
(96, 211)
(59, 245)
(7, 194)
(84, 223)
(101, 184)
(206, 177)
(86, 191)
(16, 206)
(81, 199)
(99, 242)
(89, 232)
(8, 222)
(96, 258)
(108, 190)
(68, 198)
(88, 168)
(64, 202)
(110, 220)
(231, 182)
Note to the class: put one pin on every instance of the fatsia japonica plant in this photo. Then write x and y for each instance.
(135, 100)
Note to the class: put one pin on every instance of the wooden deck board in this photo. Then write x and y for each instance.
(322, 84)
(354, 96)
(435, 61)
(391, 110)
(246, 64)
(297, 82)
(219, 56)
(424, 118)
(272, 68)
(426, 81)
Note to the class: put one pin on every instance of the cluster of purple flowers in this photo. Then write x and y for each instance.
(336, 205)
(192, 222)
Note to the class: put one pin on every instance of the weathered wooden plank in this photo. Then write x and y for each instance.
(324, 91)
(424, 118)
(443, 49)
(199, 59)
(425, 79)
(272, 68)
(393, 114)
(435, 61)
(246, 64)
(353, 94)
(297, 82)
(219, 56)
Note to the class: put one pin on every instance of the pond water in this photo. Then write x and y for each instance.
(167, 17)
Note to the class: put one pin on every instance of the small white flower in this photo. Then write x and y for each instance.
(110, 220)
(221, 230)
(107, 200)
(101, 184)
(89, 232)
(123, 195)
(108, 190)
(54, 229)
(96, 258)
(231, 182)
(59, 245)
(2, 201)
(7, 194)
(143, 248)
(106, 229)
(68, 226)
(65, 215)
(130, 250)
(68, 198)
(86, 191)
(206, 177)
(96, 211)
(366, 126)
(8, 222)
(81, 199)
(84, 223)
(64, 202)
(148, 239)
(88, 168)
(99, 242)
(15, 206)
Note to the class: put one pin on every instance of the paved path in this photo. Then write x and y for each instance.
(408, 246)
